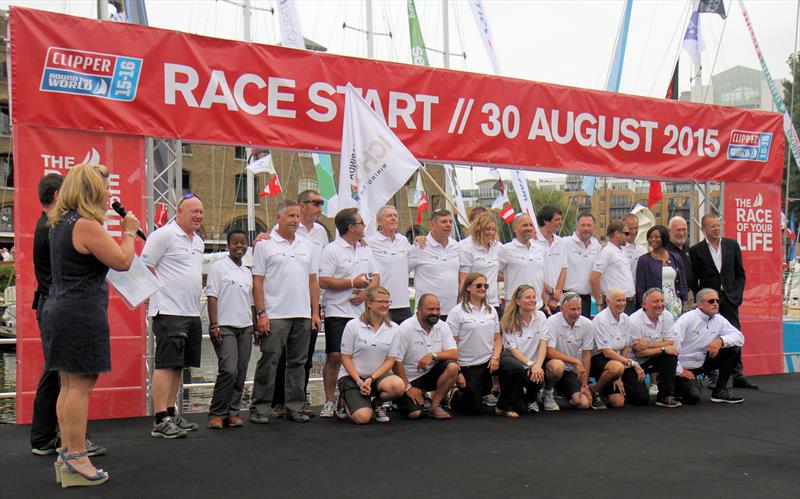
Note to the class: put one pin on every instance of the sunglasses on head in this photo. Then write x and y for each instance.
(188, 195)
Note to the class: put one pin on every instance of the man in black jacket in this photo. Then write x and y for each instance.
(717, 264)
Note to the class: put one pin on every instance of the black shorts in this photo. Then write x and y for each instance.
(568, 385)
(427, 383)
(334, 329)
(178, 341)
(352, 394)
(599, 362)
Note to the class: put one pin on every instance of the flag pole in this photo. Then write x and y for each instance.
(452, 204)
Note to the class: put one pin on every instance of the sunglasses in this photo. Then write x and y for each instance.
(382, 302)
(315, 202)
(482, 285)
(712, 301)
(188, 195)
(626, 233)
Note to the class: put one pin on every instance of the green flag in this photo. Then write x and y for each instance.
(327, 187)
(419, 55)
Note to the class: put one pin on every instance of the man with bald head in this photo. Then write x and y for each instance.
(174, 253)
(522, 261)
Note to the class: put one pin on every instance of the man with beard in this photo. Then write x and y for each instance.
(424, 354)
(581, 250)
(679, 243)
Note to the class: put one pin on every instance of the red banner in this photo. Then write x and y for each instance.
(37, 151)
(753, 218)
(171, 84)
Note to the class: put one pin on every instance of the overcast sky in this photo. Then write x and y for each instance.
(568, 42)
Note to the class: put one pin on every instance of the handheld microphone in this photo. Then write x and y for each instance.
(122, 212)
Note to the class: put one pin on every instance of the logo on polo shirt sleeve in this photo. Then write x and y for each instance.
(749, 146)
(94, 74)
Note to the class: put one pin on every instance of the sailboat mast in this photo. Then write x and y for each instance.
(251, 205)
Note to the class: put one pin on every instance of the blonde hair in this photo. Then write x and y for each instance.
(479, 225)
(511, 321)
(84, 190)
(373, 293)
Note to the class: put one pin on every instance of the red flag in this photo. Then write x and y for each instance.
(273, 188)
(160, 218)
(507, 213)
(654, 196)
(422, 207)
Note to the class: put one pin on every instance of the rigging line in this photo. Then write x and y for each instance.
(613, 50)
(791, 103)
(679, 47)
(719, 47)
(460, 31)
(646, 44)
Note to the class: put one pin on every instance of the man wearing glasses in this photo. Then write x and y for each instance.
(346, 270)
(612, 268)
(706, 341)
(632, 249)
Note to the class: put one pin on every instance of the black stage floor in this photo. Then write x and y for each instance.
(750, 450)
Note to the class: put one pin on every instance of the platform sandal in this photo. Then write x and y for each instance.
(59, 464)
(71, 477)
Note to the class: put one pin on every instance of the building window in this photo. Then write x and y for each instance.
(241, 188)
(186, 181)
(240, 152)
(186, 149)
(5, 121)
(305, 184)
(410, 197)
(241, 224)
(7, 171)
(7, 219)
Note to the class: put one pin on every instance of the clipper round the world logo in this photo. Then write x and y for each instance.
(94, 74)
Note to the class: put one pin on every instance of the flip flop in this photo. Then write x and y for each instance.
(508, 414)
(438, 412)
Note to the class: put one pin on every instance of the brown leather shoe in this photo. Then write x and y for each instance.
(215, 423)
(235, 421)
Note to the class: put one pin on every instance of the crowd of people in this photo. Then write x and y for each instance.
(508, 326)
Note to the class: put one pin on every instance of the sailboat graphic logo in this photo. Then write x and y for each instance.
(92, 157)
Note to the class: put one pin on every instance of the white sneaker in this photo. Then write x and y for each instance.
(327, 409)
(533, 407)
(548, 401)
(490, 400)
(653, 390)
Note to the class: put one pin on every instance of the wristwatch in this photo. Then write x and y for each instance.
(434, 356)
(261, 313)
(530, 364)
(663, 349)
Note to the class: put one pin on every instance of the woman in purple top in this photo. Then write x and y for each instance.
(661, 268)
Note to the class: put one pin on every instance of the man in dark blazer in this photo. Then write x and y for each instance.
(717, 264)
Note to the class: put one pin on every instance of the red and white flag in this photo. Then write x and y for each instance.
(507, 213)
(273, 188)
(421, 199)
(160, 218)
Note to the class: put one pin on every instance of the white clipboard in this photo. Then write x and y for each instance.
(136, 284)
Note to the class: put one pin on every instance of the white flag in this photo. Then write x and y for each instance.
(419, 191)
(262, 165)
(374, 164)
(524, 195)
(479, 13)
(500, 201)
(450, 173)
(291, 34)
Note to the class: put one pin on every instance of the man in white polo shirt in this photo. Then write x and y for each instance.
(436, 265)
(522, 261)
(550, 220)
(581, 250)
(632, 249)
(390, 251)
(346, 270)
(286, 296)
(424, 354)
(612, 269)
(175, 255)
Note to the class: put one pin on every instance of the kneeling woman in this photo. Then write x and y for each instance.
(521, 373)
(476, 329)
(364, 371)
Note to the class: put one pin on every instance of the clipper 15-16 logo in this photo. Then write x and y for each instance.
(750, 146)
(90, 73)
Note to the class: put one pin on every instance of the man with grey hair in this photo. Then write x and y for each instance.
(706, 341)
(679, 243)
(436, 265)
(390, 252)
(652, 346)
(285, 314)
(612, 268)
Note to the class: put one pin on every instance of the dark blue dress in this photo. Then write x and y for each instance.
(75, 315)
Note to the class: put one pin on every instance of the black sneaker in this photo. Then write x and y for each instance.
(184, 424)
(597, 402)
(46, 449)
(167, 429)
(725, 397)
(92, 449)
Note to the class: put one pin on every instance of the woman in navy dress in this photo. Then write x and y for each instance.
(75, 315)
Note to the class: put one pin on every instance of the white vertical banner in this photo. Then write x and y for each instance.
(374, 164)
(523, 195)
(479, 13)
(450, 174)
(291, 34)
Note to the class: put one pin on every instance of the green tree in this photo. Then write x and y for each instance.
(791, 93)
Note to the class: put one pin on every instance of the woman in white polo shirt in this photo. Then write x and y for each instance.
(479, 253)
(364, 374)
(476, 329)
(522, 361)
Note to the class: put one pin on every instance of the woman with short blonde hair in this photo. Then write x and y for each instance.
(75, 316)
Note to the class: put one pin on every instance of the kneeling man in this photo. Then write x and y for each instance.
(424, 354)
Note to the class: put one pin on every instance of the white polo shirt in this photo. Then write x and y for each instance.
(436, 270)
(474, 330)
(342, 261)
(285, 266)
(232, 286)
(476, 258)
(527, 342)
(642, 328)
(522, 265)
(178, 262)
(391, 257)
(610, 332)
(633, 252)
(318, 237)
(580, 261)
(694, 330)
(569, 340)
(411, 343)
(615, 270)
(555, 257)
(367, 347)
